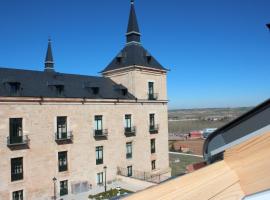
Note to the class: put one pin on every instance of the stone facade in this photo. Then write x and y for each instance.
(40, 160)
(136, 79)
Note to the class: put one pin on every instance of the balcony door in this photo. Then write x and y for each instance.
(61, 127)
(15, 130)
(98, 124)
(151, 90)
(152, 120)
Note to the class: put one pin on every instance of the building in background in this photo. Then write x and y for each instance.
(61, 132)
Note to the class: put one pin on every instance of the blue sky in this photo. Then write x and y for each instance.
(218, 50)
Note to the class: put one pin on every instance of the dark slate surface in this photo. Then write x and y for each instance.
(41, 84)
(132, 22)
(251, 121)
(133, 54)
(49, 56)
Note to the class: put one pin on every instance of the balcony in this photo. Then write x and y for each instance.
(62, 168)
(128, 155)
(62, 138)
(16, 176)
(16, 141)
(101, 134)
(152, 96)
(130, 131)
(99, 161)
(153, 129)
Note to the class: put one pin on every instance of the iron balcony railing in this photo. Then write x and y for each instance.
(99, 161)
(153, 128)
(130, 131)
(17, 140)
(101, 133)
(152, 96)
(128, 155)
(63, 191)
(66, 136)
(16, 176)
(63, 168)
(153, 150)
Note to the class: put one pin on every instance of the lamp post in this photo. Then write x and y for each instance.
(54, 188)
(105, 175)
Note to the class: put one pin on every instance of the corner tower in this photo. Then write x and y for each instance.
(135, 67)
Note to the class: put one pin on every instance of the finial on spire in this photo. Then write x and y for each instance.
(133, 33)
(49, 64)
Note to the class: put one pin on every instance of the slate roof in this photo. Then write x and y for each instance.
(133, 53)
(45, 84)
(237, 130)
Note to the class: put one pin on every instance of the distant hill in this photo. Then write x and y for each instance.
(186, 120)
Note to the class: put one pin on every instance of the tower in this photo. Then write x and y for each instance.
(135, 68)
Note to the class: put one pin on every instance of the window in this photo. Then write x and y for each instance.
(153, 163)
(119, 58)
(127, 121)
(129, 150)
(95, 90)
(98, 123)
(14, 87)
(59, 89)
(17, 195)
(152, 121)
(62, 161)
(124, 92)
(63, 188)
(151, 88)
(100, 178)
(16, 169)
(99, 155)
(151, 95)
(61, 127)
(15, 130)
(149, 58)
(153, 146)
(129, 171)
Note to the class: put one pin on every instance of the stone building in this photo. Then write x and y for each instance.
(60, 133)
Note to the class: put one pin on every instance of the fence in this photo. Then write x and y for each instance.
(145, 176)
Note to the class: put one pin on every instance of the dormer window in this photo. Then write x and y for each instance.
(149, 58)
(95, 90)
(14, 87)
(118, 60)
(59, 89)
(124, 92)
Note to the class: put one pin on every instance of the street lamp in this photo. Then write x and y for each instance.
(54, 187)
(105, 175)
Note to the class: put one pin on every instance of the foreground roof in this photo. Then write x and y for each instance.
(243, 171)
(246, 126)
(30, 83)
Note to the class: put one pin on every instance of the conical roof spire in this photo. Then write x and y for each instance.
(133, 33)
(49, 64)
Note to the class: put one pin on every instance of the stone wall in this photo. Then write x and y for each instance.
(41, 159)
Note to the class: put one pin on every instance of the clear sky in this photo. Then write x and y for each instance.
(218, 50)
